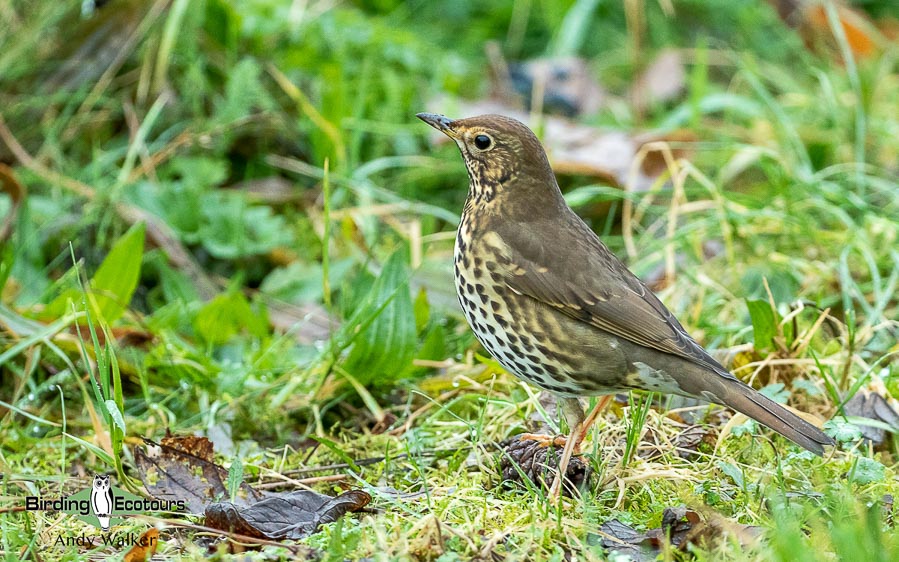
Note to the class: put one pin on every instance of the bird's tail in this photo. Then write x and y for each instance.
(759, 407)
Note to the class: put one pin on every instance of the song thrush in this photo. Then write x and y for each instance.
(555, 307)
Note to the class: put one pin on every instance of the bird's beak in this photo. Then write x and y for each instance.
(440, 122)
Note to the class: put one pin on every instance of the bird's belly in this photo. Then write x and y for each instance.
(530, 340)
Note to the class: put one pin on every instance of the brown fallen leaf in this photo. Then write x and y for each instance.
(271, 190)
(665, 79)
(865, 38)
(10, 185)
(294, 515)
(145, 547)
(677, 522)
(181, 468)
(567, 84)
(618, 538)
(871, 405)
(689, 441)
(125, 336)
(193, 445)
(680, 527)
(308, 322)
(715, 527)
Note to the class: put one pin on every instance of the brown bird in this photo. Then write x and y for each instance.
(555, 307)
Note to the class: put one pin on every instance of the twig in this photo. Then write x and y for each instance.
(303, 481)
(295, 548)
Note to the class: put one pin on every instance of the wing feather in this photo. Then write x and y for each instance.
(598, 289)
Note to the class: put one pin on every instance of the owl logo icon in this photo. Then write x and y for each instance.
(102, 500)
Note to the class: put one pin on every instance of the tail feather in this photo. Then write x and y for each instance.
(759, 407)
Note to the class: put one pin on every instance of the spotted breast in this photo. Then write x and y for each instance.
(514, 329)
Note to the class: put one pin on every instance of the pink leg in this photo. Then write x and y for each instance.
(579, 431)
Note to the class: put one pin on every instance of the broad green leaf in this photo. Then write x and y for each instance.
(115, 281)
(383, 349)
(434, 345)
(244, 92)
(842, 431)
(574, 29)
(777, 392)
(735, 473)
(232, 229)
(175, 285)
(867, 471)
(302, 282)
(200, 171)
(764, 324)
(112, 286)
(782, 282)
(227, 315)
(422, 310)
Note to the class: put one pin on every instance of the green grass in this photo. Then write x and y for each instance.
(222, 181)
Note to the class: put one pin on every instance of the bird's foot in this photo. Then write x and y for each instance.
(573, 442)
(570, 446)
(544, 440)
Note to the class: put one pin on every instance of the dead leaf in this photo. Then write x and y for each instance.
(308, 323)
(871, 405)
(181, 468)
(16, 192)
(692, 438)
(715, 528)
(617, 538)
(663, 80)
(294, 515)
(866, 38)
(199, 447)
(271, 190)
(568, 85)
(680, 527)
(123, 335)
(676, 523)
(145, 547)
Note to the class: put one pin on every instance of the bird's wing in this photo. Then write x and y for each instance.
(576, 274)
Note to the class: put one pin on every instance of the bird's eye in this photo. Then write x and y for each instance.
(483, 142)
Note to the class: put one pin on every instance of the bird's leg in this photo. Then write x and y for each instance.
(588, 422)
(574, 415)
(580, 425)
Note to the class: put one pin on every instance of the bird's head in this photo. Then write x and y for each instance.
(503, 156)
